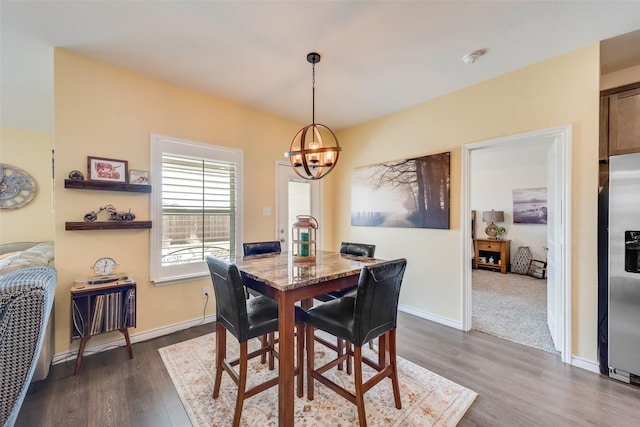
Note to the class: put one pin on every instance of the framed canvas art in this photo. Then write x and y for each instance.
(411, 193)
(530, 206)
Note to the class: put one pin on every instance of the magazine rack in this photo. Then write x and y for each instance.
(96, 309)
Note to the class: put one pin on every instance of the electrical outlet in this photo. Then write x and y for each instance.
(205, 292)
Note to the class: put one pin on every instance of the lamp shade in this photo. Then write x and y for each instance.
(493, 216)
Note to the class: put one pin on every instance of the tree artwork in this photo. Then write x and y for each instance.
(411, 193)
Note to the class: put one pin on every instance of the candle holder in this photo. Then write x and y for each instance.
(303, 239)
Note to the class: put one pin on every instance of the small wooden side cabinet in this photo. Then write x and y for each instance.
(488, 250)
(96, 309)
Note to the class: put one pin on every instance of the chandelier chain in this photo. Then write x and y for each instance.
(313, 94)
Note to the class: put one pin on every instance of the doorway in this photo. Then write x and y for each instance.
(559, 260)
(294, 196)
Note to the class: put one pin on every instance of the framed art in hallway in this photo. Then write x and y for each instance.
(530, 206)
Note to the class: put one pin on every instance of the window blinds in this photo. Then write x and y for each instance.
(195, 207)
(198, 209)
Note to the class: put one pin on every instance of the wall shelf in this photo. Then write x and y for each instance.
(106, 186)
(107, 225)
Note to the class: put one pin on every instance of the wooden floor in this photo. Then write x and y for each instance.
(516, 385)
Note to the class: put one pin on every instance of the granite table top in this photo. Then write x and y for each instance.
(279, 271)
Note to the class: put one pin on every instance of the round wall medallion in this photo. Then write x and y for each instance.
(17, 187)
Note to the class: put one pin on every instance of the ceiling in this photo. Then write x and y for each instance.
(378, 57)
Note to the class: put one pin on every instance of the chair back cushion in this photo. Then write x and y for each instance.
(376, 304)
(359, 249)
(231, 305)
(256, 248)
(26, 298)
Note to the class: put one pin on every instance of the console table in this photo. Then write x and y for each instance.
(499, 250)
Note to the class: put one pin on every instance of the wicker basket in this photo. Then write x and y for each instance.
(521, 260)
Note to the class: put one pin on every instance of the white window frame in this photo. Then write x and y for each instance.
(160, 144)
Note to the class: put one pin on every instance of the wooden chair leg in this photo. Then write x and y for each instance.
(271, 337)
(394, 368)
(264, 343)
(357, 378)
(242, 384)
(349, 358)
(340, 345)
(383, 350)
(221, 354)
(300, 356)
(310, 360)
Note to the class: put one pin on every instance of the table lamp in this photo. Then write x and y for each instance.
(492, 216)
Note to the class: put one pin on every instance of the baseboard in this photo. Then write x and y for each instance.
(166, 330)
(142, 336)
(585, 364)
(428, 316)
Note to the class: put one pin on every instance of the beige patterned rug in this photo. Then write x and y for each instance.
(427, 399)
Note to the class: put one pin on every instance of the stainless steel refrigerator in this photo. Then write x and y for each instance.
(624, 266)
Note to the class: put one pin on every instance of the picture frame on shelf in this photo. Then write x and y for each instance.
(138, 177)
(109, 170)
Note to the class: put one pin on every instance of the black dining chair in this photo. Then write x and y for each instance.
(257, 248)
(347, 248)
(245, 319)
(372, 313)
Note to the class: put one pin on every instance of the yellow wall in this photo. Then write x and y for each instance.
(563, 90)
(101, 110)
(106, 111)
(30, 151)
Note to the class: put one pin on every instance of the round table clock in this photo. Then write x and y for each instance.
(104, 266)
(105, 271)
(17, 187)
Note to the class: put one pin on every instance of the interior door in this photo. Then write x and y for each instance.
(554, 290)
(295, 196)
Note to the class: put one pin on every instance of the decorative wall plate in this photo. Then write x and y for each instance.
(17, 187)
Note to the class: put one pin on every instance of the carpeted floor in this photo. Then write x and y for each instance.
(511, 306)
(427, 399)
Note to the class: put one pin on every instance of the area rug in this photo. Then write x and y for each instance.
(427, 399)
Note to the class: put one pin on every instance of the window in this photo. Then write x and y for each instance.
(194, 206)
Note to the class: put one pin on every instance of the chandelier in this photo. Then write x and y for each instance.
(314, 150)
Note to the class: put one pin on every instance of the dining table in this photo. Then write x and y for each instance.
(288, 280)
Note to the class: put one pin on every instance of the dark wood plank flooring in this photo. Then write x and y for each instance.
(516, 385)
